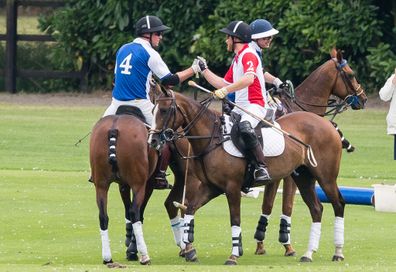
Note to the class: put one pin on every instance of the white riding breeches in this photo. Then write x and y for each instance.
(144, 105)
(254, 109)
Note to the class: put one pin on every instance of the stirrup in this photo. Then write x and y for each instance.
(160, 181)
(261, 174)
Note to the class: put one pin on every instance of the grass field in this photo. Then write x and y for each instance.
(49, 218)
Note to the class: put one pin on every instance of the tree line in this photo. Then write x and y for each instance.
(92, 31)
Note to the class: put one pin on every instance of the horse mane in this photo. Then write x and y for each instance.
(314, 76)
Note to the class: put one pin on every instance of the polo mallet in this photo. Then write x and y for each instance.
(178, 205)
(310, 152)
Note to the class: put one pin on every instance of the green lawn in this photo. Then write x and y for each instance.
(49, 218)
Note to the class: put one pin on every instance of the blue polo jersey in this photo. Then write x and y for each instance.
(135, 64)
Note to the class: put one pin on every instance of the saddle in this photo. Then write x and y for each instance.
(239, 143)
(131, 110)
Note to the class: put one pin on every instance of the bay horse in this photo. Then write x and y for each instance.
(119, 152)
(334, 77)
(220, 172)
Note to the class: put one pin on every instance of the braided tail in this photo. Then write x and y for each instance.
(112, 136)
(345, 143)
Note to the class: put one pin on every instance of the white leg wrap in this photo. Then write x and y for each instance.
(106, 252)
(177, 229)
(339, 232)
(314, 237)
(235, 232)
(187, 220)
(288, 220)
(140, 243)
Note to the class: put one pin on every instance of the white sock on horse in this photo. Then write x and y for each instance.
(140, 243)
(314, 238)
(177, 224)
(235, 232)
(339, 235)
(106, 252)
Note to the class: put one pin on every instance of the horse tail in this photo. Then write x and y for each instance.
(345, 143)
(112, 137)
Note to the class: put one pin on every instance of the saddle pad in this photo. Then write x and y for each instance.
(274, 141)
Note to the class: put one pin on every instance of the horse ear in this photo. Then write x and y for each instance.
(333, 53)
(155, 90)
(168, 92)
(339, 55)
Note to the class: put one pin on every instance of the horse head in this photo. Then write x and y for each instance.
(165, 118)
(346, 85)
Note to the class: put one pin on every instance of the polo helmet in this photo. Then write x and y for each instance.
(238, 29)
(149, 24)
(261, 29)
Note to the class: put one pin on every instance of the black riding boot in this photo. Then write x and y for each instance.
(163, 162)
(261, 172)
(254, 151)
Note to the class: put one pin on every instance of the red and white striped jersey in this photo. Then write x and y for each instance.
(246, 61)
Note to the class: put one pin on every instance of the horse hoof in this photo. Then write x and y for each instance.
(182, 253)
(231, 262)
(260, 251)
(132, 256)
(107, 262)
(145, 260)
(191, 255)
(290, 253)
(304, 259)
(337, 258)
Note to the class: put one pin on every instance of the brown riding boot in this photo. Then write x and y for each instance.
(160, 181)
(261, 172)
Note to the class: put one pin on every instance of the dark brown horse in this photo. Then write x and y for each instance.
(119, 152)
(220, 172)
(334, 77)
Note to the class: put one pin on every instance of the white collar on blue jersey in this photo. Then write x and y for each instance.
(142, 41)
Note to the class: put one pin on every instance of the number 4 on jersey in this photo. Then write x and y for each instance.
(126, 65)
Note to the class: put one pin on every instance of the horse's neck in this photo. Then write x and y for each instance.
(314, 90)
(205, 125)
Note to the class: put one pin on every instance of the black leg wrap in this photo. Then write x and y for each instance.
(130, 243)
(284, 231)
(259, 235)
(237, 242)
(189, 228)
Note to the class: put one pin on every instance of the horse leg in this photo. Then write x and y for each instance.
(266, 209)
(203, 195)
(101, 201)
(289, 191)
(306, 184)
(130, 239)
(176, 194)
(234, 203)
(338, 203)
(136, 219)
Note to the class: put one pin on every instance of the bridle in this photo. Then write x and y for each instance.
(350, 100)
